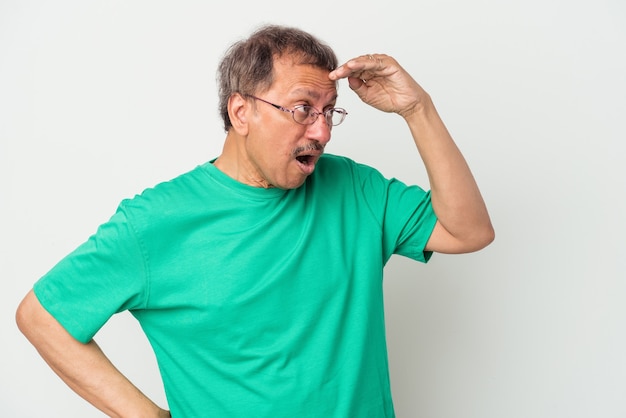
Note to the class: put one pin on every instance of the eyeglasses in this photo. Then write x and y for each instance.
(307, 115)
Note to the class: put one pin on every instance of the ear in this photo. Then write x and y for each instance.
(238, 108)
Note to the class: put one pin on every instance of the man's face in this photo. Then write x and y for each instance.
(280, 152)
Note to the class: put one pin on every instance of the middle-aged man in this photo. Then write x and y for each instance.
(257, 276)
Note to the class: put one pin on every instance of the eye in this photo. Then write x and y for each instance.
(303, 110)
(304, 114)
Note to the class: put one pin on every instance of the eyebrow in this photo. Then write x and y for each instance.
(313, 94)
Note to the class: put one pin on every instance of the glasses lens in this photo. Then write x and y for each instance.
(336, 116)
(307, 115)
(304, 114)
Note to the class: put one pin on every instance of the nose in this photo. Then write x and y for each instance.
(319, 130)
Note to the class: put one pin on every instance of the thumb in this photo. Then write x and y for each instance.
(355, 83)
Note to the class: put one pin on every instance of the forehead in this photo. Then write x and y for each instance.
(293, 78)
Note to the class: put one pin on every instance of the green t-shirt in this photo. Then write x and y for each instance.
(257, 302)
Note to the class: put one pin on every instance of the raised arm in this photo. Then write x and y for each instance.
(463, 221)
(83, 367)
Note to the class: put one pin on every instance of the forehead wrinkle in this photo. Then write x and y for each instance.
(311, 93)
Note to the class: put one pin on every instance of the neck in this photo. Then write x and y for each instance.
(234, 164)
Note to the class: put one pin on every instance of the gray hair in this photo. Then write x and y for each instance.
(247, 65)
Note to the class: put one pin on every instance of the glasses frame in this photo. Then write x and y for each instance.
(328, 114)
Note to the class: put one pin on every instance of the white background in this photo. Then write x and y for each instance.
(101, 99)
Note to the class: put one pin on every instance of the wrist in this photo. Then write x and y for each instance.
(422, 108)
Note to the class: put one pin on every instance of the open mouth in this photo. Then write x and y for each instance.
(306, 163)
(307, 156)
(305, 159)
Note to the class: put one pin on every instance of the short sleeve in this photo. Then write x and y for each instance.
(105, 275)
(405, 212)
(410, 220)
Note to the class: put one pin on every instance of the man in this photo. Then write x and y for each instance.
(257, 277)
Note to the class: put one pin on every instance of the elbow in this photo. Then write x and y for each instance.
(473, 237)
(490, 236)
(22, 316)
(484, 236)
(25, 315)
(478, 239)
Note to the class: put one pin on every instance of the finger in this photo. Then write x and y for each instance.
(369, 65)
(354, 67)
(364, 67)
(356, 83)
(377, 59)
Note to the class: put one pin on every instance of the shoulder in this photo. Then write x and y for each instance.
(331, 164)
(168, 199)
(340, 169)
